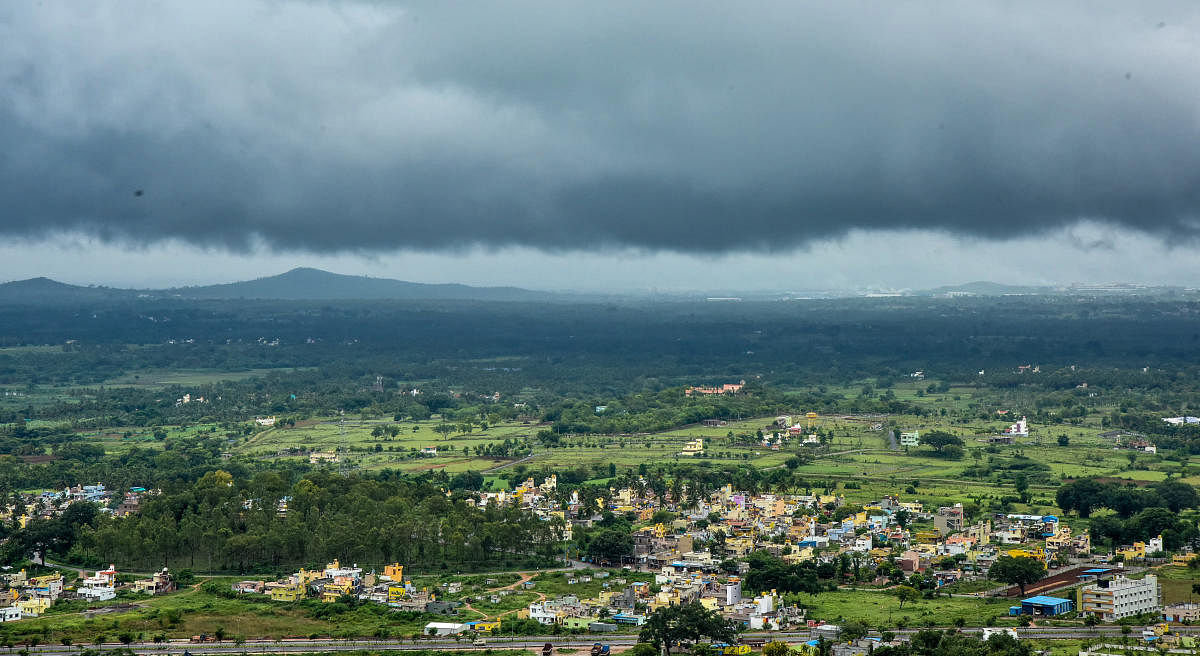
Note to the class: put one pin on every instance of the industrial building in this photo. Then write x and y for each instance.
(1043, 606)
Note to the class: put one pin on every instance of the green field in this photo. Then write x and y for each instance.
(881, 609)
(359, 449)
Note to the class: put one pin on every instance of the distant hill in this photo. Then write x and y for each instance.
(985, 288)
(45, 290)
(297, 284)
(315, 284)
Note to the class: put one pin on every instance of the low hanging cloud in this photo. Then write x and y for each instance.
(694, 127)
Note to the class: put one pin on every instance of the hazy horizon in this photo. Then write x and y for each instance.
(607, 147)
(865, 260)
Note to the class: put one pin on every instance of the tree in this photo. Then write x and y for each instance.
(1177, 495)
(853, 630)
(610, 544)
(940, 440)
(776, 648)
(686, 624)
(906, 593)
(1020, 571)
(1082, 496)
(1063, 440)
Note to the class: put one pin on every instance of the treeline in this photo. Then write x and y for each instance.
(266, 523)
(609, 350)
(770, 573)
(1088, 494)
(179, 462)
(1151, 522)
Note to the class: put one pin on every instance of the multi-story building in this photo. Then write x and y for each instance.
(1120, 597)
(949, 519)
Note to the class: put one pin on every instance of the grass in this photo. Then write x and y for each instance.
(554, 584)
(881, 609)
(358, 446)
(194, 611)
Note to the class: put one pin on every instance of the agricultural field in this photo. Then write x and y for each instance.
(359, 449)
(159, 378)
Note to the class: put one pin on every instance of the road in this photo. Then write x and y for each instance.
(534, 643)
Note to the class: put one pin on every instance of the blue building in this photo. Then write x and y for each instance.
(1044, 606)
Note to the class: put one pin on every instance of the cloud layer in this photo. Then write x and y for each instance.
(693, 127)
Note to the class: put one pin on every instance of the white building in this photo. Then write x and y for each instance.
(1120, 597)
(542, 615)
(97, 592)
(10, 614)
(910, 439)
(733, 591)
(444, 628)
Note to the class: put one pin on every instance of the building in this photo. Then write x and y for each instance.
(286, 592)
(160, 583)
(1119, 597)
(444, 628)
(949, 519)
(693, 448)
(393, 572)
(912, 439)
(727, 388)
(1043, 606)
(1186, 612)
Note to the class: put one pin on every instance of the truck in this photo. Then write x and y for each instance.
(479, 642)
(547, 649)
(599, 649)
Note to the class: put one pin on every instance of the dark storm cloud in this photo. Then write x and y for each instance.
(689, 126)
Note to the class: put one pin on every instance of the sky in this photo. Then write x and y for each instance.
(602, 146)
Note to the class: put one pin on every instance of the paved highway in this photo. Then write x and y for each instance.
(299, 646)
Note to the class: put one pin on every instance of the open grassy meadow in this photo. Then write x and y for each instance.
(881, 609)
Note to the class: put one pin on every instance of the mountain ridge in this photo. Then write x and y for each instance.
(301, 283)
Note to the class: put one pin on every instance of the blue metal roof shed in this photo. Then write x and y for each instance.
(1043, 605)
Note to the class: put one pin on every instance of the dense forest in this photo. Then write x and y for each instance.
(268, 524)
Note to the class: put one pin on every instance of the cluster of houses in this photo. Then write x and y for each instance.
(689, 553)
(335, 580)
(50, 503)
(622, 603)
(30, 596)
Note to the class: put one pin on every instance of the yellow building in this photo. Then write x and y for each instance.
(1183, 560)
(395, 571)
(927, 537)
(34, 607)
(1136, 552)
(1037, 554)
(290, 592)
(396, 594)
